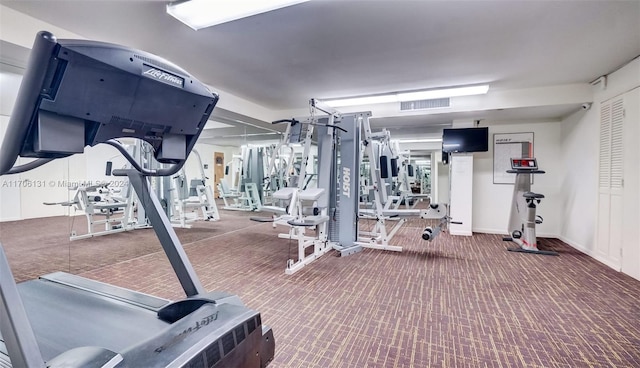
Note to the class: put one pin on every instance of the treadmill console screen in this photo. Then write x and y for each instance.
(524, 163)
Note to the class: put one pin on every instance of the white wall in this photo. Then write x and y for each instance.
(22, 195)
(492, 202)
(9, 193)
(579, 189)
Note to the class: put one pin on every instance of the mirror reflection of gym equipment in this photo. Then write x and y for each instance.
(247, 174)
(112, 204)
(192, 199)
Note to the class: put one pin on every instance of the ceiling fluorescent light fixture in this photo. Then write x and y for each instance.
(199, 14)
(409, 96)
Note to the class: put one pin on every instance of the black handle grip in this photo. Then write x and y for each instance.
(292, 121)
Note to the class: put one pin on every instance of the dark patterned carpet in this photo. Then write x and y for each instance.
(454, 302)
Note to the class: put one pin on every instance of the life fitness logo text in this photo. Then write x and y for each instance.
(162, 76)
(346, 182)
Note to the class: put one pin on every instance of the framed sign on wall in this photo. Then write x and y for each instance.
(505, 147)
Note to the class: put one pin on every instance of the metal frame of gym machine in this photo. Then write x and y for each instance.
(77, 93)
(329, 205)
(309, 207)
(339, 143)
(379, 237)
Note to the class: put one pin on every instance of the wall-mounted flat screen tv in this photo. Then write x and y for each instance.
(465, 140)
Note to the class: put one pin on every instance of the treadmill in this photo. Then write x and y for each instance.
(76, 93)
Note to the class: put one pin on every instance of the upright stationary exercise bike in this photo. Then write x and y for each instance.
(523, 218)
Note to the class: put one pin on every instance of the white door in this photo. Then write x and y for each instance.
(610, 190)
(631, 214)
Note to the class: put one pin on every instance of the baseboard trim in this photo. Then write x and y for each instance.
(461, 233)
(490, 231)
(569, 242)
(591, 253)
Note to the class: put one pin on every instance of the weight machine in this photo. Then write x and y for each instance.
(385, 208)
(402, 193)
(284, 201)
(77, 93)
(332, 210)
(100, 207)
(279, 172)
(247, 178)
(309, 208)
(195, 201)
(303, 209)
(523, 218)
(103, 205)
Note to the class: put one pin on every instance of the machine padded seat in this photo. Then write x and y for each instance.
(284, 194)
(226, 192)
(311, 194)
(533, 195)
(309, 221)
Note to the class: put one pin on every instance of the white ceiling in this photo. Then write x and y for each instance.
(328, 49)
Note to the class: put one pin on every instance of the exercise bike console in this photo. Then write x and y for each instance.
(524, 166)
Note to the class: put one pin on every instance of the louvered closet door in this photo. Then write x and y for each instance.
(611, 174)
(631, 214)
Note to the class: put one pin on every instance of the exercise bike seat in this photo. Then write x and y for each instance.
(533, 195)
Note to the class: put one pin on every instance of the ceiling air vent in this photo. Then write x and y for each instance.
(425, 104)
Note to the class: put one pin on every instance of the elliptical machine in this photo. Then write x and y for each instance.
(523, 218)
